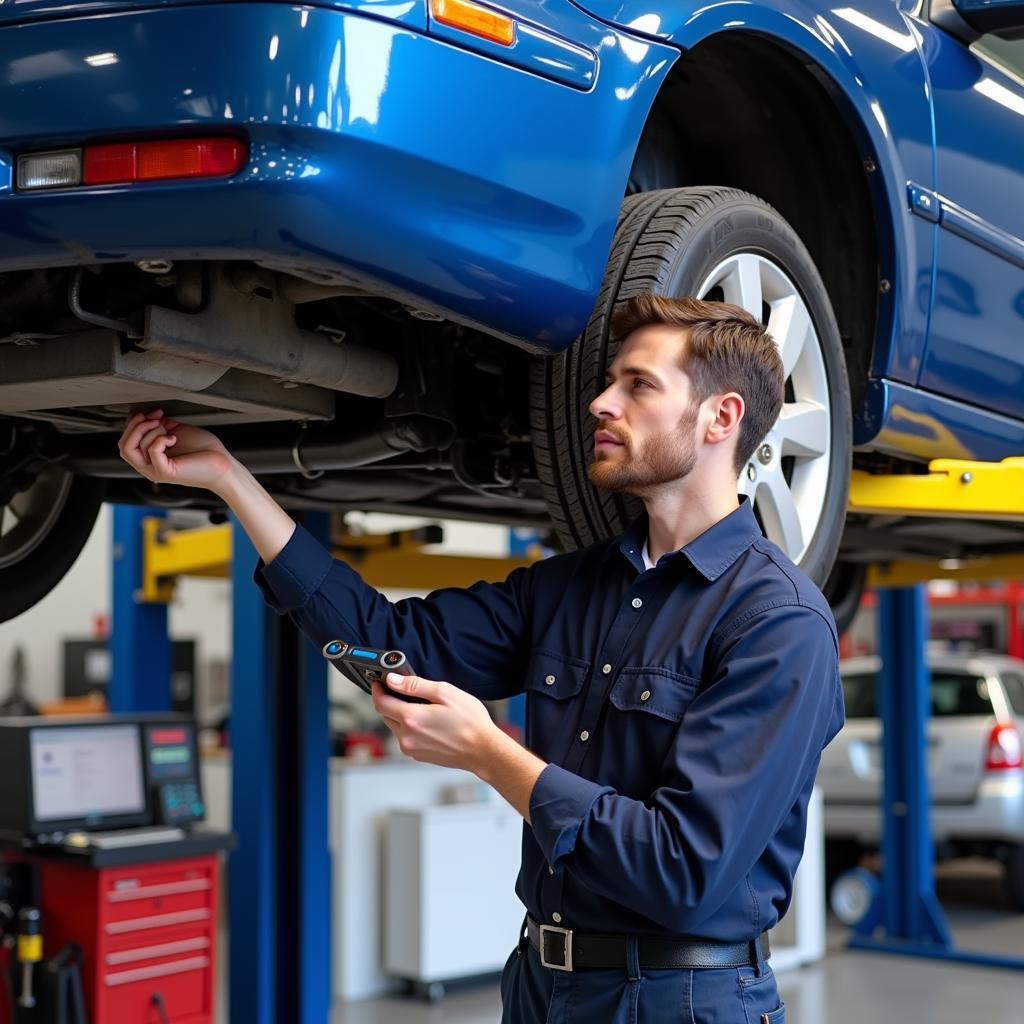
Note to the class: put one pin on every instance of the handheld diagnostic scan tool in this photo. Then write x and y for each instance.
(366, 666)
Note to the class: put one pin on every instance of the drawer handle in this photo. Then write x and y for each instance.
(196, 963)
(129, 956)
(167, 889)
(138, 924)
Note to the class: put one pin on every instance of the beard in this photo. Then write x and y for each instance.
(661, 459)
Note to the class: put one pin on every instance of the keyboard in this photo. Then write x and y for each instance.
(121, 837)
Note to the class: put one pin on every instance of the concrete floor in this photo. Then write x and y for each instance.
(846, 987)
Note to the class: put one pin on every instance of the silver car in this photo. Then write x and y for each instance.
(974, 764)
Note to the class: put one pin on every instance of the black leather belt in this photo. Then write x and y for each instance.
(563, 949)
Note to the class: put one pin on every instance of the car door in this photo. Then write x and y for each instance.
(961, 721)
(975, 343)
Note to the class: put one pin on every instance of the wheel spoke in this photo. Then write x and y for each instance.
(790, 326)
(779, 514)
(803, 429)
(742, 286)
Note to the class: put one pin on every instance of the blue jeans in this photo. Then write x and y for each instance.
(534, 994)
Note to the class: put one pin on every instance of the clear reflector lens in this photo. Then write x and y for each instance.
(50, 170)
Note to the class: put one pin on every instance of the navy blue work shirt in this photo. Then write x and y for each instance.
(682, 709)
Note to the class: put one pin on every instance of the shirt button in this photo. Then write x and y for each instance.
(637, 603)
(606, 669)
(584, 735)
(551, 870)
(645, 695)
(556, 917)
(550, 680)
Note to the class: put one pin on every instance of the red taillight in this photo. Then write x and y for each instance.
(158, 161)
(1004, 749)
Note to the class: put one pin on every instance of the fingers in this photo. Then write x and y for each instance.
(391, 709)
(158, 456)
(140, 433)
(417, 686)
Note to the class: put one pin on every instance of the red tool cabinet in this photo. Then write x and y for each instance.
(144, 929)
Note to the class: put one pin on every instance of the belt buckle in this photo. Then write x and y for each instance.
(566, 933)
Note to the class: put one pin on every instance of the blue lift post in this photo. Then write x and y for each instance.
(280, 878)
(905, 915)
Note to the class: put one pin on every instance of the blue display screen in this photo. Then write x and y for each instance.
(369, 655)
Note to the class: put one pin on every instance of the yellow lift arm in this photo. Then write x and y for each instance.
(952, 488)
(392, 560)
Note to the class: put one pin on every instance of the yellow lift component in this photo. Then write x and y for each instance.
(394, 560)
(952, 488)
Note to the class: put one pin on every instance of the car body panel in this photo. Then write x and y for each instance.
(475, 208)
(904, 421)
(975, 350)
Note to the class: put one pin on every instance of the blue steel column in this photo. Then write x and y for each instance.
(313, 749)
(281, 872)
(254, 873)
(140, 648)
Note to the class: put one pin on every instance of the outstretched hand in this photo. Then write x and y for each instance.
(168, 452)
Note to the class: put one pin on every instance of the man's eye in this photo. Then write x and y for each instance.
(639, 383)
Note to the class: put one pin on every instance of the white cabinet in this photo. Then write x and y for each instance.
(449, 893)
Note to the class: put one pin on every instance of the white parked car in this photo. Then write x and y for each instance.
(974, 764)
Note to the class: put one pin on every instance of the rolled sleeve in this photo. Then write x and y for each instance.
(559, 803)
(295, 574)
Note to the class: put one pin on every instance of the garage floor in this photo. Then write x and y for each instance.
(846, 987)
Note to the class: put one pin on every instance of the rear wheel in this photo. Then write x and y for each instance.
(1014, 876)
(43, 529)
(715, 243)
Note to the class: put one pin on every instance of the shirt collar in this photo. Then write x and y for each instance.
(712, 552)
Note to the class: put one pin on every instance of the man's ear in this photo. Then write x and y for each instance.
(728, 410)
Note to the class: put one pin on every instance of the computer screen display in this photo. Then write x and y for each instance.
(87, 773)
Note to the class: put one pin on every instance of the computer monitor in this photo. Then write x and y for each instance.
(87, 776)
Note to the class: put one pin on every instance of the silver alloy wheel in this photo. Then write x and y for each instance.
(789, 495)
(27, 519)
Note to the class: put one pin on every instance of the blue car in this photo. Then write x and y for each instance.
(376, 244)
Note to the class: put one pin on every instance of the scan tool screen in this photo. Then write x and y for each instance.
(87, 773)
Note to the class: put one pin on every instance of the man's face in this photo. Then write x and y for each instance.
(646, 417)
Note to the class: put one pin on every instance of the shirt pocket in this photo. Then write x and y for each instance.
(654, 691)
(555, 675)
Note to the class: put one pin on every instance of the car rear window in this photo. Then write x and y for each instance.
(953, 694)
(1014, 686)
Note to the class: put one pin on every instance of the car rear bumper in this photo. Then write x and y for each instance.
(996, 813)
(398, 160)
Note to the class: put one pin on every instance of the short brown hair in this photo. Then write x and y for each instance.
(728, 350)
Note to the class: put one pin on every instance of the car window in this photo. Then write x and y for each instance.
(952, 693)
(1007, 52)
(1013, 683)
(859, 694)
(956, 693)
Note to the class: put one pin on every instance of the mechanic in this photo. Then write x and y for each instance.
(682, 679)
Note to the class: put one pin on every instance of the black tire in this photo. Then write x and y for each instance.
(26, 579)
(668, 242)
(844, 589)
(1013, 876)
(840, 856)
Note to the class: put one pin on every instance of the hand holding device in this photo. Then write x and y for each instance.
(365, 666)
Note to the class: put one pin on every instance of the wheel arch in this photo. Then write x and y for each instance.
(831, 164)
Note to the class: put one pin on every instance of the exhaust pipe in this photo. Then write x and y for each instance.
(307, 455)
